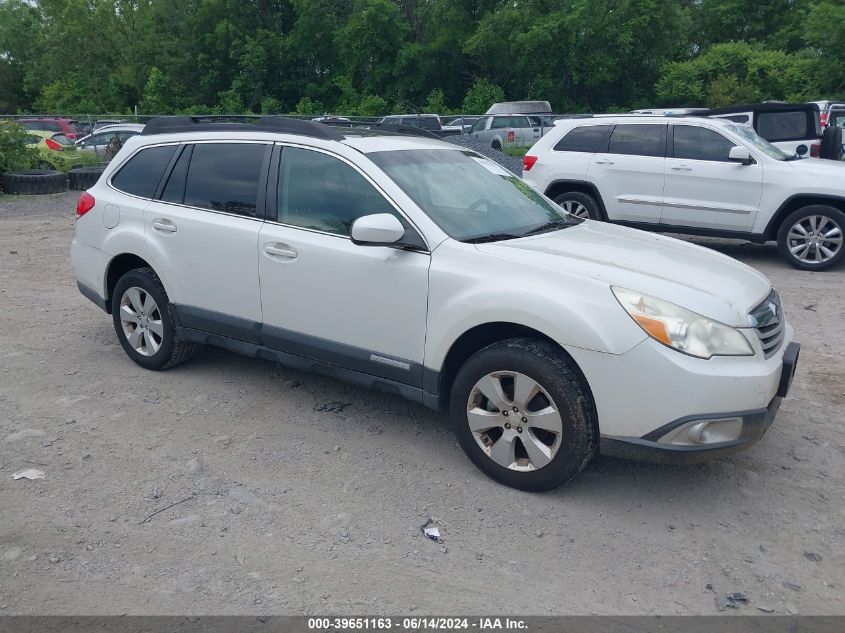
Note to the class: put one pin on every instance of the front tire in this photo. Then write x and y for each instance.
(812, 238)
(523, 414)
(143, 321)
(581, 205)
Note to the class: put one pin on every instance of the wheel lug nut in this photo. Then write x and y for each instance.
(525, 420)
(505, 413)
(519, 429)
(507, 425)
(516, 409)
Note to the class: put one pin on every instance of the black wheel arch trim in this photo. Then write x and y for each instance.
(783, 210)
(582, 184)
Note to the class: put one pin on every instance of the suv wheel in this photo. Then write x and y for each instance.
(144, 325)
(811, 238)
(522, 414)
(581, 205)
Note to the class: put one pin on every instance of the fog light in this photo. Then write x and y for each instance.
(698, 432)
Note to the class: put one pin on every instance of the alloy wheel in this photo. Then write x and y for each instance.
(514, 421)
(815, 239)
(140, 320)
(573, 207)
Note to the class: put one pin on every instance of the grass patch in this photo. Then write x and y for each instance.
(515, 151)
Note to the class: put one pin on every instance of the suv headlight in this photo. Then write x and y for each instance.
(682, 329)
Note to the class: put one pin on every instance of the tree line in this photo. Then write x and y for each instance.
(372, 57)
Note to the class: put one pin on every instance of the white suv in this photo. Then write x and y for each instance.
(422, 269)
(694, 175)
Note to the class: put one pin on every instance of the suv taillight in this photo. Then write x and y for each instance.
(823, 118)
(53, 145)
(85, 204)
(815, 150)
(528, 162)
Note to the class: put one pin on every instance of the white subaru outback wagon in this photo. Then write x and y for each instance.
(420, 268)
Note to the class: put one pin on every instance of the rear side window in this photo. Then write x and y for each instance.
(783, 126)
(141, 175)
(698, 143)
(61, 139)
(592, 138)
(225, 176)
(638, 140)
(174, 190)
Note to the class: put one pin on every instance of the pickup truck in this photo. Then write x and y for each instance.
(505, 130)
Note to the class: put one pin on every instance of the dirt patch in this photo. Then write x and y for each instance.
(281, 502)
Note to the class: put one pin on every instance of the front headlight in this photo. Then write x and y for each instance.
(682, 329)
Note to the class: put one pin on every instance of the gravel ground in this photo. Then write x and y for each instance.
(483, 148)
(230, 485)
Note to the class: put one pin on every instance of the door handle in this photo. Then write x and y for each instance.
(277, 249)
(164, 226)
(603, 161)
(681, 168)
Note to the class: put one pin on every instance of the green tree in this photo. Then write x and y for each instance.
(481, 96)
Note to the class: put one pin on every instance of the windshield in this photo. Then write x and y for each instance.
(470, 197)
(758, 142)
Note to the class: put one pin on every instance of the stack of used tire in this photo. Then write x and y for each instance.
(44, 181)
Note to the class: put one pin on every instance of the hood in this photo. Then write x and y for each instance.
(691, 276)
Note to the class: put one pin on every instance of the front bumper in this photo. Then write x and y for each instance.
(755, 423)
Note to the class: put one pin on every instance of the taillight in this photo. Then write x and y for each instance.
(53, 145)
(823, 118)
(815, 150)
(528, 162)
(85, 204)
(511, 136)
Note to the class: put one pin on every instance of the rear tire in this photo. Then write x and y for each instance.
(581, 205)
(496, 145)
(34, 181)
(831, 147)
(811, 238)
(143, 321)
(544, 439)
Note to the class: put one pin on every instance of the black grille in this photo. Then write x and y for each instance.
(767, 319)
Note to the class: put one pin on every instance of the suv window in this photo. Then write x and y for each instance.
(698, 143)
(478, 126)
(638, 140)
(224, 177)
(174, 190)
(783, 126)
(141, 175)
(320, 192)
(588, 138)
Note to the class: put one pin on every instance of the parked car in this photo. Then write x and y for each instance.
(507, 130)
(429, 122)
(825, 108)
(56, 151)
(696, 175)
(336, 121)
(423, 269)
(451, 125)
(47, 124)
(794, 128)
(100, 123)
(98, 142)
(520, 107)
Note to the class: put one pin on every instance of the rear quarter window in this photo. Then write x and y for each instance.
(142, 173)
(784, 126)
(591, 138)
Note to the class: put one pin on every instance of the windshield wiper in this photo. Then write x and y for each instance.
(493, 237)
(548, 226)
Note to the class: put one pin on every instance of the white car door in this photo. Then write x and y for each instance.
(203, 233)
(704, 188)
(629, 174)
(362, 308)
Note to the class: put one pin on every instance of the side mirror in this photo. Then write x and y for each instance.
(379, 229)
(740, 155)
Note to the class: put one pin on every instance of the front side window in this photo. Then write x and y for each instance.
(478, 126)
(321, 192)
(468, 196)
(698, 143)
(141, 175)
(589, 138)
(224, 177)
(638, 140)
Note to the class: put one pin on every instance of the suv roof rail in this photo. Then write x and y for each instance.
(406, 130)
(279, 124)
